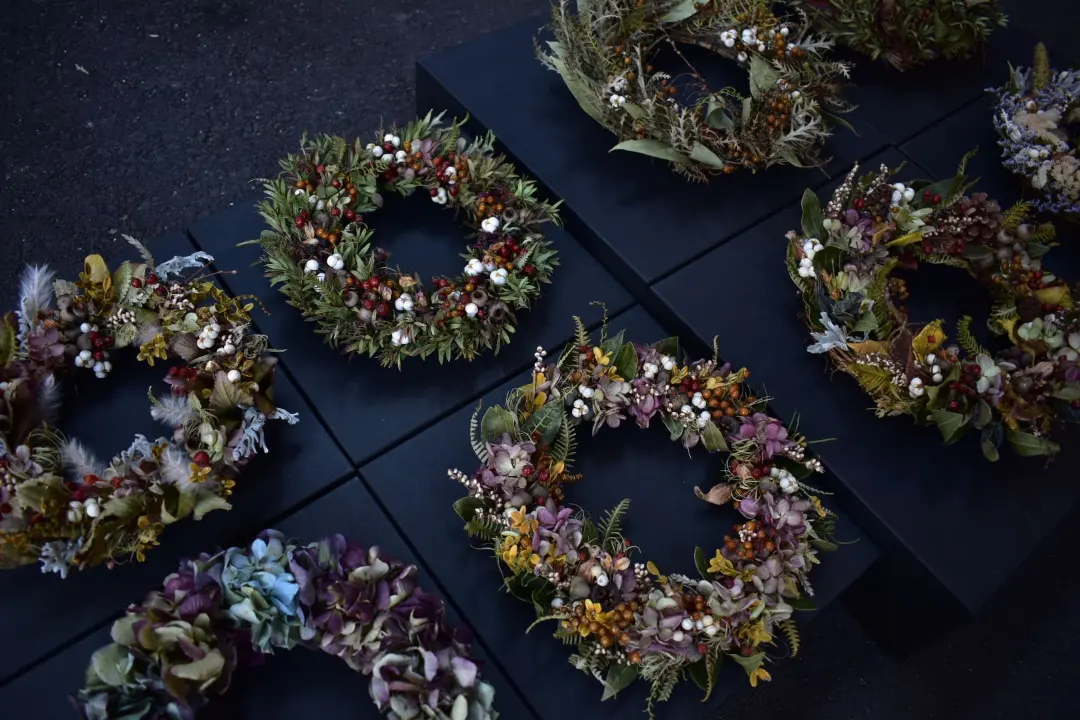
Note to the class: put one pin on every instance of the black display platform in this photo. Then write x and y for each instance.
(641, 220)
(41, 612)
(369, 408)
(665, 519)
(899, 105)
(965, 522)
(288, 685)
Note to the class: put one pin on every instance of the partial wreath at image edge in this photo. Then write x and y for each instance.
(907, 33)
(181, 646)
(60, 505)
(604, 53)
(625, 620)
(319, 247)
(1038, 120)
(844, 262)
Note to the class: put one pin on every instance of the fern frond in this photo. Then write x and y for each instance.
(1015, 215)
(966, 340)
(875, 380)
(791, 632)
(474, 435)
(565, 444)
(661, 690)
(1043, 234)
(611, 526)
(581, 334)
(877, 292)
(483, 529)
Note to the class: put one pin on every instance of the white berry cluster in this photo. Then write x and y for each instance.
(538, 363)
(401, 336)
(650, 369)
(691, 417)
(810, 248)
(580, 409)
(208, 336)
(490, 225)
(476, 267)
(404, 303)
(381, 154)
(935, 369)
(77, 509)
(86, 359)
(471, 309)
(902, 193)
(785, 479)
(616, 100)
(915, 387)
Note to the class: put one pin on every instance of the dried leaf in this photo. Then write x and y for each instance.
(719, 494)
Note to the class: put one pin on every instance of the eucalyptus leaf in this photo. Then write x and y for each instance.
(982, 415)
(208, 503)
(681, 11)
(713, 438)
(673, 426)
(977, 252)
(668, 346)
(763, 76)
(716, 116)
(653, 148)
(747, 108)
(704, 155)
(801, 603)
(618, 678)
(1037, 249)
(635, 111)
(702, 563)
(497, 421)
(868, 322)
(546, 422)
(588, 102)
(749, 663)
(467, 507)
(951, 424)
(813, 221)
(626, 362)
(1029, 445)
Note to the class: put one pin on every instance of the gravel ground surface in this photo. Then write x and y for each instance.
(135, 117)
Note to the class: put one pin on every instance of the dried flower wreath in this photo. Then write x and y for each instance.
(58, 504)
(184, 642)
(604, 54)
(1038, 117)
(625, 619)
(844, 262)
(906, 33)
(319, 247)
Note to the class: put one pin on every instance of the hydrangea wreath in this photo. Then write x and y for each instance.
(319, 248)
(625, 619)
(604, 53)
(906, 33)
(58, 504)
(1038, 118)
(182, 645)
(844, 263)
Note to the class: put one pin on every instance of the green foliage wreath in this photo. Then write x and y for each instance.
(604, 53)
(319, 246)
(906, 33)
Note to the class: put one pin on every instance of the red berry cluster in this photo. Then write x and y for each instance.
(181, 379)
(101, 343)
(152, 281)
(965, 386)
